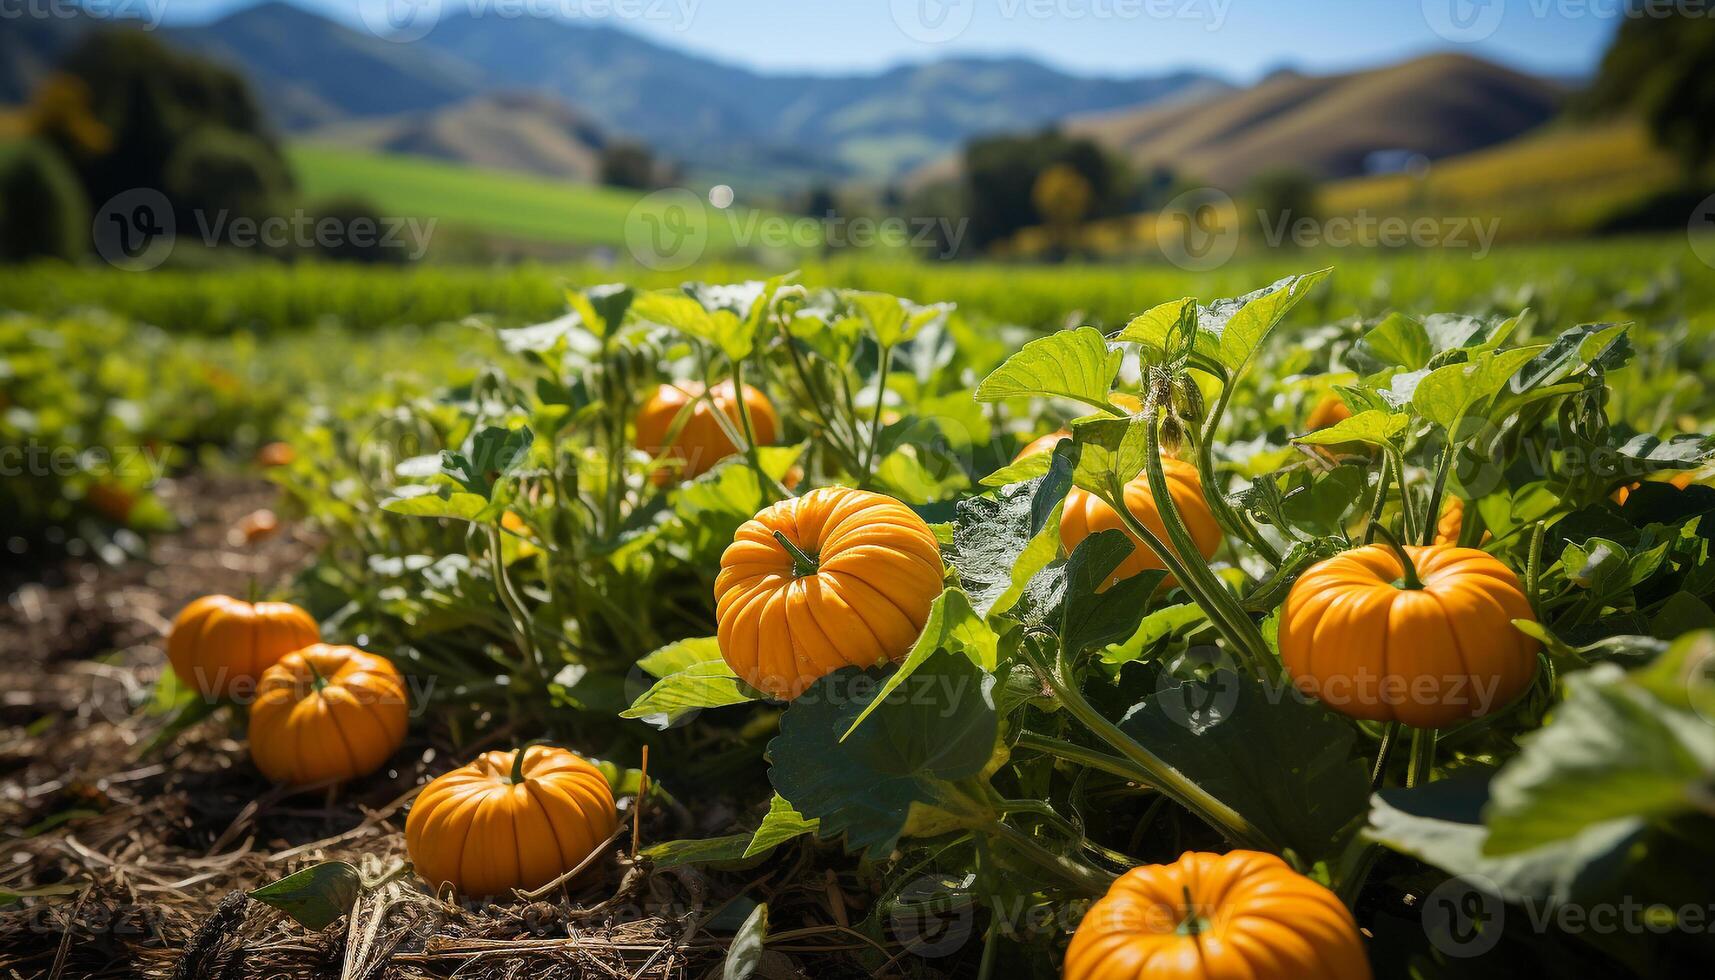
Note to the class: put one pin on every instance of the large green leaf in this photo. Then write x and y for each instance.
(1076, 364)
(1284, 764)
(745, 954)
(720, 327)
(1369, 428)
(1091, 618)
(1400, 340)
(999, 544)
(1611, 752)
(1154, 328)
(1451, 394)
(418, 500)
(1243, 324)
(678, 655)
(939, 727)
(953, 626)
(491, 453)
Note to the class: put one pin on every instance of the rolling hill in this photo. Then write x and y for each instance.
(1437, 106)
(720, 119)
(508, 131)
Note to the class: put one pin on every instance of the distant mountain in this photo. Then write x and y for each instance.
(507, 131)
(715, 117)
(310, 71)
(1328, 125)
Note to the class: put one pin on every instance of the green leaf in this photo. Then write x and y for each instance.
(1450, 394)
(1075, 364)
(1320, 508)
(893, 320)
(953, 626)
(490, 454)
(745, 953)
(1611, 751)
(938, 728)
(1154, 328)
(1400, 340)
(441, 502)
(1371, 428)
(1599, 343)
(679, 655)
(722, 328)
(1109, 449)
(1284, 764)
(712, 850)
(1245, 322)
(10, 895)
(315, 896)
(1028, 468)
(781, 824)
(1092, 618)
(996, 551)
(1155, 627)
(708, 684)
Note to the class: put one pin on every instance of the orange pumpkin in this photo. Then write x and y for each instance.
(1452, 522)
(1328, 411)
(276, 454)
(509, 820)
(327, 713)
(254, 527)
(1679, 481)
(221, 645)
(1358, 632)
(1085, 514)
(1207, 916)
(700, 442)
(835, 578)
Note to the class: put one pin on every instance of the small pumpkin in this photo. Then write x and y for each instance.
(835, 578)
(276, 454)
(1085, 514)
(1428, 644)
(327, 713)
(221, 645)
(701, 442)
(1679, 481)
(1206, 916)
(1452, 522)
(253, 527)
(1329, 410)
(509, 820)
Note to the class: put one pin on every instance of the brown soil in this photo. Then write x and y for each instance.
(136, 863)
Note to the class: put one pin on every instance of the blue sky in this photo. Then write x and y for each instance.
(1240, 39)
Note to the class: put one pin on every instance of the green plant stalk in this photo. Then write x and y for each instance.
(1409, 523)
(1179, 570)
(817, 397)
(1245, 634)
(1533, 569)
(1422, 757)
(1080, 876)
(1150, 769)
(1383, 479)
(1435, 493)
(1224, 511)
(522, 626)
(883, 366)
(1091, 758)
(772, 489)
(1390, 735)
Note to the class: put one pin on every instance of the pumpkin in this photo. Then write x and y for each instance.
(1241, 914)
(509, 820)
(701, 442)
(327, 713)
(254, 527)
(1452, 523)
(1085, 513)
(1330, 410)
(1427, 645)
(835, 578)
(1679, 481)
(1046, 444)
(221, 645)
(276, 454)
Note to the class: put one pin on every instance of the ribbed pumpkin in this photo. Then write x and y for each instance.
(1357, 633)
(221, 645)
(1452, 523)
(700, 442)
(1213, 917)
(327, 712)
(1085, 514)
(509, 820)
(835, 578)
(1329, 410)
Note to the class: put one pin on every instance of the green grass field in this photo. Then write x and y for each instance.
(489, 202)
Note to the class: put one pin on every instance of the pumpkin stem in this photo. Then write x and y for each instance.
(1192, 924)
(255, 591)
(1409, 576)
(317, 682)
(802, 564)
(518, 763)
